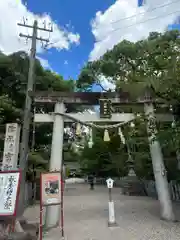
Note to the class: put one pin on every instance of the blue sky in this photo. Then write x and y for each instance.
(84, 29)
(78, 14)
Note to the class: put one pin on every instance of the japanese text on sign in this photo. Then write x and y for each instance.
(50, 185)
(11, 146)
(8, 192)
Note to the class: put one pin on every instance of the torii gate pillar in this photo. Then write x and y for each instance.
(53, 212)
(158, 166)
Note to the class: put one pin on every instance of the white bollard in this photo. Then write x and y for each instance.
(111, 220)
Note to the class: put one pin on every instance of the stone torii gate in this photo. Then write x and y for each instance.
(59, 116)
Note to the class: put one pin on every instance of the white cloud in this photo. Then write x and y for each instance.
(12, 12)
(131, 28)
(73, 38)
(106, 83)
(65, 62)
(44, 63)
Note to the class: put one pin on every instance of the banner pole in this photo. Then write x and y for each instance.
(62, 205)
(41, 209)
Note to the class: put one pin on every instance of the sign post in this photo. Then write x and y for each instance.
(111, 221)
(50, 194)
(62, 203)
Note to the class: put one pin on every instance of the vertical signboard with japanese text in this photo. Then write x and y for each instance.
(9, 189)
(105, 108)
(51, 188)
(11, 146)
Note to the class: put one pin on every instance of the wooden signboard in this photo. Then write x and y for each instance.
(51, 188)
(11, 147)
(9, 193)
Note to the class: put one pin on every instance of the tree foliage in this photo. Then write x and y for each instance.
(152, 63)
(13, 82)
(104, 158)
(132, 66)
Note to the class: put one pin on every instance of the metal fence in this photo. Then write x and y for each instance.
(174, 189)
(149, 186)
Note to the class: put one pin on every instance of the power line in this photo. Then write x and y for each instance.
(135, 15)
(127, 18)
(134, 24)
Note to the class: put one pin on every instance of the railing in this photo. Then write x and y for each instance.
(175, 190)
(149, 187)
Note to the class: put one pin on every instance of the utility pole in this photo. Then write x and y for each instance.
(24, 148)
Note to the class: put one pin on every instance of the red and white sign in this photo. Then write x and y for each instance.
(51, 188)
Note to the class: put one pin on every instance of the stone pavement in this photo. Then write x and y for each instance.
(86, 217)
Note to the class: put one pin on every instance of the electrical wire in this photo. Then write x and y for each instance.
(141, 22)
(141, 13)
(50, 44)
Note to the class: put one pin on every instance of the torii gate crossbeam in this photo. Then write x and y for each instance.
(94, 117)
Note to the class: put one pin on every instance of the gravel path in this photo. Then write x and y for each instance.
(86, 216)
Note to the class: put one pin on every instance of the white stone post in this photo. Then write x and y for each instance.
(53, 212)
(158, 166)
(112, 219)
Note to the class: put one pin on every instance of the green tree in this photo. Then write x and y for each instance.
(13, 81)
(151, 63)
(104, 158)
